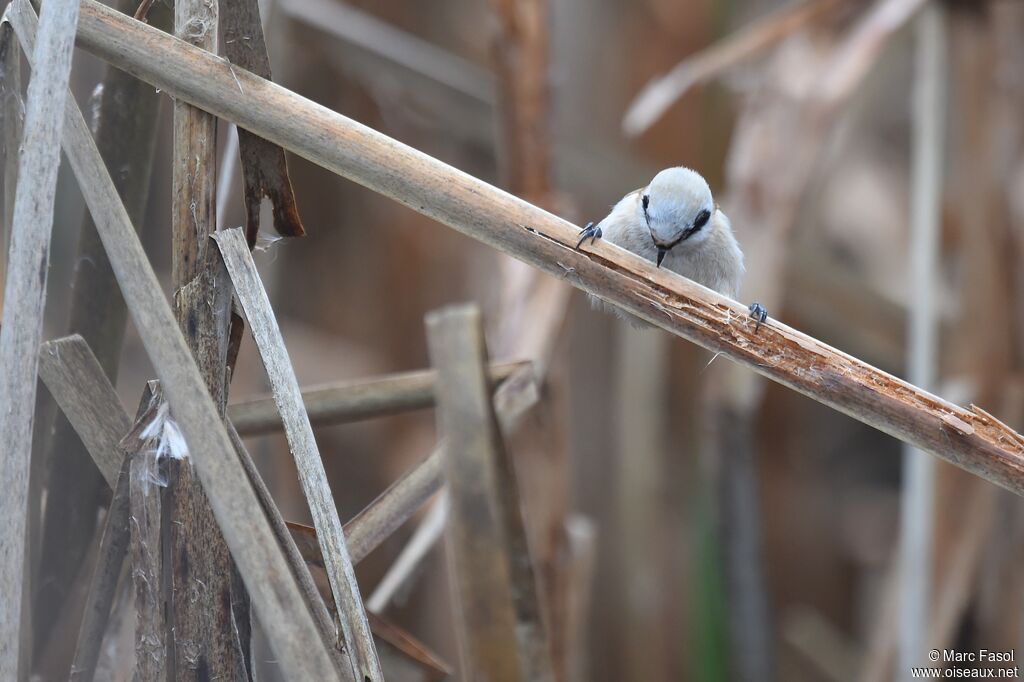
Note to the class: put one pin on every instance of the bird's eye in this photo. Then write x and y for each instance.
(646, 200)
(702, 219)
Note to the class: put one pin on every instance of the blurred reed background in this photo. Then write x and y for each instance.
(687, 521)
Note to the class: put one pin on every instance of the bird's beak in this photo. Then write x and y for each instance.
(661, 254)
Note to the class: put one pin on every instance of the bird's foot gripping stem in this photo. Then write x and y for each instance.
(759, 313)
(591, 232)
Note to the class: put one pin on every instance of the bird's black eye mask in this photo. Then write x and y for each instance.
(646, 201)
(699, 223)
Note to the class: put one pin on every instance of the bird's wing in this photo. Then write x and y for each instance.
(634, 195)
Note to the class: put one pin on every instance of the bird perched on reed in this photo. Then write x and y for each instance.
(674, 222)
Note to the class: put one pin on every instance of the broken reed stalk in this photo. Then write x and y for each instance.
(74, 377)
(276, 596)
(393, 507)
(349, 401)
(22, 322)
(967, 438)
(502, 632)
(263, 325)
(264, 167)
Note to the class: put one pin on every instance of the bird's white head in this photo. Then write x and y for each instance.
(677, 207)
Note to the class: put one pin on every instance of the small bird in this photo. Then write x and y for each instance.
(674, 222)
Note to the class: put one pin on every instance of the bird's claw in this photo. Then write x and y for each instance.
(591, 232)
(759, 313)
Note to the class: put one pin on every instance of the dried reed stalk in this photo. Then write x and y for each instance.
(403, 568)
(532, 306)
(642, 378)
(146, 512)
(917, 521)
(211, 634)
(264, 167)
(24, 298)
(13, 120)
(354, 627)
(349, 401)
(75, 379)
(328, 630)
(678, 305)
(521, 59)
